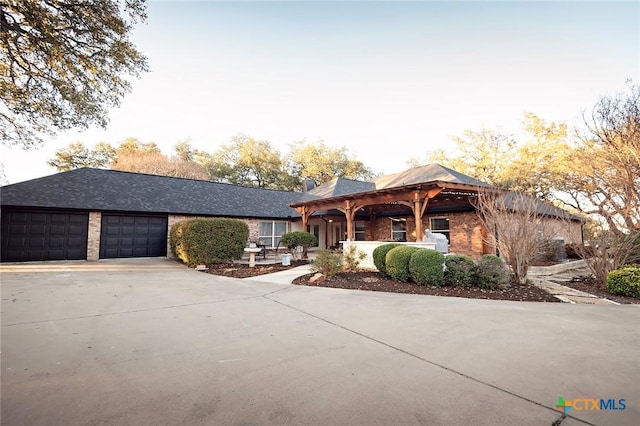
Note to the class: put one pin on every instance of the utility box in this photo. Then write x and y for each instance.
(558, 253)
(286, 260)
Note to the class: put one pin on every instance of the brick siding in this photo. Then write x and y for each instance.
(465, 232)
(93, 238)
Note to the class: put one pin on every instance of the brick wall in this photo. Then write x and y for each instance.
(93, 238)
(465, 232)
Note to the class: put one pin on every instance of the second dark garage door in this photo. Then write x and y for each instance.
(133, 236)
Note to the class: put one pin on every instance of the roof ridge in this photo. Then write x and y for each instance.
(173, 177)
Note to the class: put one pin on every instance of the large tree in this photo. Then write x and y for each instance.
(536, 164)
(103, 155)
(64, 64)
(481, 154)
(605, 178)
(77, 155)
(249, 162)
(156, 163)
(321, 163)
(540, 163)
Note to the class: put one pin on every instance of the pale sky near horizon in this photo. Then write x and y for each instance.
(387, 80)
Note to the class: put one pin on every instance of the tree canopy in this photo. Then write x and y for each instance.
(244, 161)
(321, 163)
(594, 171)
(64, 64)
(249, 162)
(77, 155)
(605, 177)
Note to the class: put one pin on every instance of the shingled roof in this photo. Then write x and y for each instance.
(428, 173)
(339, 186)
(97, 189)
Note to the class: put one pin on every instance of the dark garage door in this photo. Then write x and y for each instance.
(133, 236)
(43, 235)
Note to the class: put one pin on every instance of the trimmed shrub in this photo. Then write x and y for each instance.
(492, 272)
(426, 267)
(625, 281)
(461, 270)
(291, 240)
(327, 262)
(380, 256)
(352, 258)
(208, 241)
(397, 262)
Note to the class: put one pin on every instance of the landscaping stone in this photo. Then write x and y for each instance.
(317, 278)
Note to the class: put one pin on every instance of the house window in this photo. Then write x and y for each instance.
(399, 229)
(359, 230)
(441, 226)
(270, 232)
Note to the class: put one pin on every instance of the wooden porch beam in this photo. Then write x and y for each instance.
(370, 200)
(305, 213)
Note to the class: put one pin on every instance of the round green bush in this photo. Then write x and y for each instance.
(397, 262)
(492, 272)
(426, 267)
(380, 255)
(461, 270)
(294, 239)
(625, 281)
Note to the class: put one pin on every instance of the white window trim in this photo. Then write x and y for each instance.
(443, 232)
(393, 219)
(273, 227)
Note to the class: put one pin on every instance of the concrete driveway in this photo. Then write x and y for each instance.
(149, 342)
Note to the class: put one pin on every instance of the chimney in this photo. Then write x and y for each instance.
(308, 184)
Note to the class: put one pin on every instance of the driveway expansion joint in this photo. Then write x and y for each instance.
(559, 420)
(133, 311)
(435, 364)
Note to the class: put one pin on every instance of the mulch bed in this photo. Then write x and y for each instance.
(236, 270)
(587, 284)
(373, 281)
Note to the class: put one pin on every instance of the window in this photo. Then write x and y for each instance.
(359, 230)
(441, 226)
(399, 229)
(270, 232)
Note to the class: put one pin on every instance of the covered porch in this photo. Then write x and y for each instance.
(400, 213)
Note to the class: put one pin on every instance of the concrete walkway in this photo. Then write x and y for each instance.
(282, 277)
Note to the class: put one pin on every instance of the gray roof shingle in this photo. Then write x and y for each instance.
(339, 186)
(428, 173)
(100, 190)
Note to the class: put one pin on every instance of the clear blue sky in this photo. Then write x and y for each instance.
(387, 80)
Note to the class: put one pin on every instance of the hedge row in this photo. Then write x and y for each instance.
(208, 241)
(429, 267)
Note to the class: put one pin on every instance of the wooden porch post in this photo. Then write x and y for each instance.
(350, 211)
(419, 205)
(347, 213)
(417, 214)
(305, 212)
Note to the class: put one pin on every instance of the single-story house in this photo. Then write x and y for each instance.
(95, 214)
